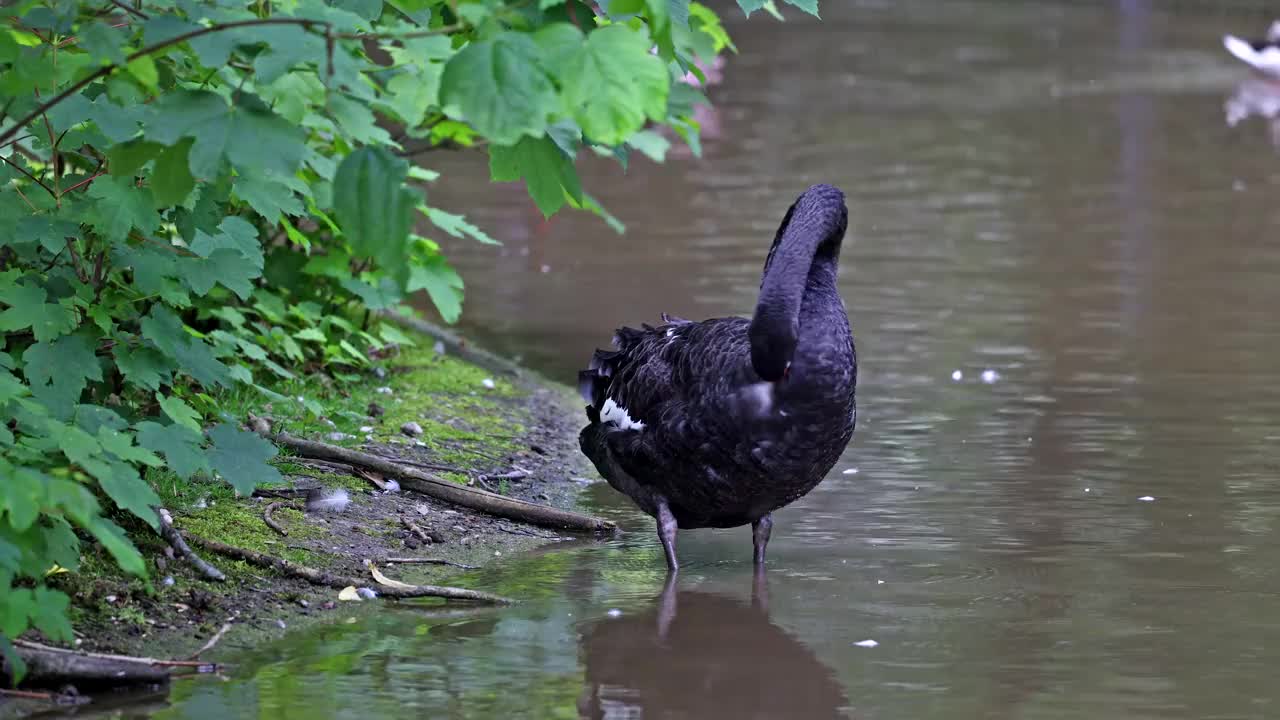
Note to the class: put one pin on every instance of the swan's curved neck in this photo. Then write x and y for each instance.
(800, 269)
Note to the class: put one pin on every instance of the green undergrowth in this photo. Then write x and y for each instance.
(466, 423)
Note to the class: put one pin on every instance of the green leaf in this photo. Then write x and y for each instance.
(194, 356)
(126, 159)
(21, 500)
(128, 491)
(386, 294)
(28, 309)
(239, 133)
(49, 614)
(500, 87)
(809, 6)
(121, 207)
(442, 284)
(143, 68)
(557, 42)
(51, 233)
(374, 208)
(64, 366)
(750, 6)
(241, 457)
(142, 366)
(78, 445)
(548, 172)
(118, 123)
(179, 411)
(612, 84)
(118, 544)
(271, 196)
(653, 145)
(456, 225)
(223, 267)
(180, 445)
(103, 43)
(171, 181)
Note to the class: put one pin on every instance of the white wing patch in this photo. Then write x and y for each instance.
(1266, 60)
(615, 413)
(761, 394)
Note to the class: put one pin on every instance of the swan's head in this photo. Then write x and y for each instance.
(1273, 32)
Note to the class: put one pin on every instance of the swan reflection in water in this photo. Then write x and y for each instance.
(698, 654)
(1256, 96)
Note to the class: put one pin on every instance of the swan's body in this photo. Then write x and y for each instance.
(1261, 55)
(719, 423)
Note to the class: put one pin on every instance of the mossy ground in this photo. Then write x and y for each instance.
(474, 422)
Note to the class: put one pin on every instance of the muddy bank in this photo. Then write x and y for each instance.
(495, 428)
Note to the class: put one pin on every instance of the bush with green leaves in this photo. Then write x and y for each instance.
(197, 195)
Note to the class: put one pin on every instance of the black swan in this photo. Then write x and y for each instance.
(719, 423)
(702, 655)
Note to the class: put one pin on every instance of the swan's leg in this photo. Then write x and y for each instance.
(759, 589)
(667, 534)
(760, 531)
(667, 606)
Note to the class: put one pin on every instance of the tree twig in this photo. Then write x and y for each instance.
(270, 521)
(33, 178)
(174, 538)
(414, 528)
(320, 577)
(131, 10)
(45, 663)
(213, 640)
(428, 484)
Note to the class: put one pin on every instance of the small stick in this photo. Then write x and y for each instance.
(29, 695)
(517, 474)
(428, 561)
(320, 577)
(213, 640)
(174, 538)
(270, 521)
(416, 530)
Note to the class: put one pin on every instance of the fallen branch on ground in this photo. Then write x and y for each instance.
(418, 532)
(427, 561)
(320, 577)
(514, 475)
(428, 484)
(45, 663)
(270, 521)
(174, 538)
(213, 640)
(67, 698)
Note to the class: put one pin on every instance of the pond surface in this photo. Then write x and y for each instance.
(1048, 193)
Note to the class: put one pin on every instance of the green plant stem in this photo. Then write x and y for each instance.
(33, 178)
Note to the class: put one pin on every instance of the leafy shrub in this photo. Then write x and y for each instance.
(204, 194)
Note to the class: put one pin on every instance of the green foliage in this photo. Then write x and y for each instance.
(210, 195)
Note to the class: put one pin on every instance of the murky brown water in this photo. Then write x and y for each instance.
(1049, 191)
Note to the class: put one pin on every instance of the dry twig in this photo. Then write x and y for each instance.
(174, 538)
(270, 521)
(320, 577)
